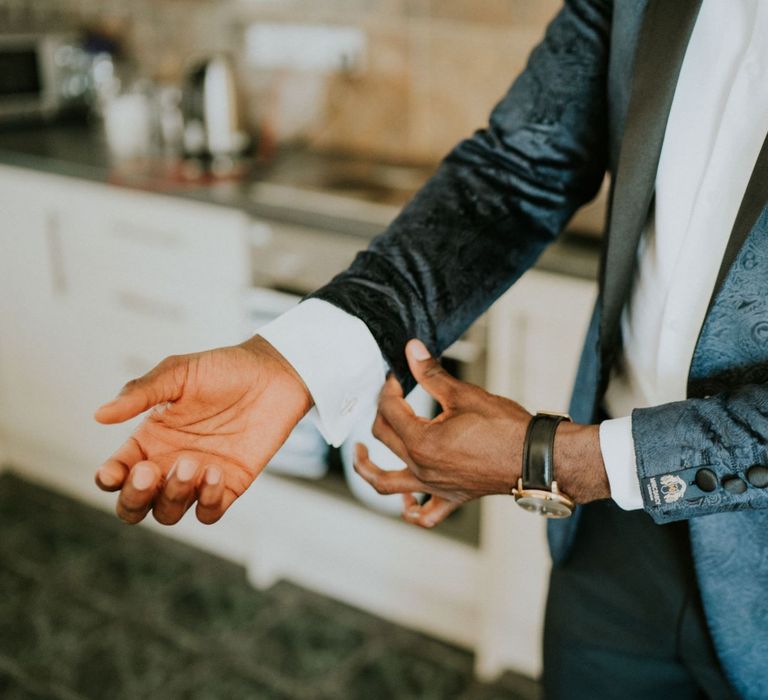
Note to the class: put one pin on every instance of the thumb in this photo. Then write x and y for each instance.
(162, 384)
(429, 373)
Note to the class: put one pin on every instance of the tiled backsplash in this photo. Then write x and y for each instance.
(434, 67)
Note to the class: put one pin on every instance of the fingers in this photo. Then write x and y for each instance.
(399, 414)
(391, 388)
(162, 384)
(428, 372)
(186, 482)
(384, 433)
(178, 493)
(112, 474)
(403, 481)
(138, 492)
(409, 500)
(432, 513)
(214, 498)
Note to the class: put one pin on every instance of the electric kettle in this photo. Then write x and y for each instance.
(211, 107)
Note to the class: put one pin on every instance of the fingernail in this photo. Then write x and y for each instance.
(107, 478)
(143, 477)
(185, 469)
(212, 476)
(412, 512)
(429, 522)
(419, 351)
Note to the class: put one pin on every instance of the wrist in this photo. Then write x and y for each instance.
(263, 349)
(578, 463)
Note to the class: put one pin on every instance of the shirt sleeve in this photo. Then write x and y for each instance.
(338, 359)
(618, 448)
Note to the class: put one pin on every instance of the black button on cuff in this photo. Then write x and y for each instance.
(706, 480)
(734, 485)
(757, 475)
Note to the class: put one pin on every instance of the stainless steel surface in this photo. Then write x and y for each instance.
(322, 203)
(354, 178)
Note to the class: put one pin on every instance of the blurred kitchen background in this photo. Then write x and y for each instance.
(395, 79)
(173, 175)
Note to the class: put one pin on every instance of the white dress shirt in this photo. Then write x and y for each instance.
(717, 123)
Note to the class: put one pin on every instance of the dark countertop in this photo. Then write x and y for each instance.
(333, 193)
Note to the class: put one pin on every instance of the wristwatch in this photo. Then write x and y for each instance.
(536, 489)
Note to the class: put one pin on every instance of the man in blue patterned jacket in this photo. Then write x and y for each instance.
(659, 579)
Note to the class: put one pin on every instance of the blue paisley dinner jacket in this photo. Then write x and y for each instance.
(595, 97)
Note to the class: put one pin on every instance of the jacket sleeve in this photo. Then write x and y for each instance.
(496, 200)
(703, 455)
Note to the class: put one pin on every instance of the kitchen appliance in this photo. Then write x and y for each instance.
(41, 75)
(212, 112)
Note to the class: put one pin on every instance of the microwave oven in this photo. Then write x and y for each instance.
(41, 75)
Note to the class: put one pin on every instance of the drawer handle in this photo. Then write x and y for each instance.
(55, 254)
(144, 306)
(146, 236)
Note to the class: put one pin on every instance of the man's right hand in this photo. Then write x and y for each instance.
(218, 418)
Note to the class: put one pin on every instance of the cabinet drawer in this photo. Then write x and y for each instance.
(185, 286)
(147, 242)
(131, 343)
(190, 261)
(210, 249)
(213, 317)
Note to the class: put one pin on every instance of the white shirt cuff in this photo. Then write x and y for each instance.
(618, 448)
(338, 359)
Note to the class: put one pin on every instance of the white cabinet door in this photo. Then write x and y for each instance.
(100, 284)
(32, 301)
(536, 333)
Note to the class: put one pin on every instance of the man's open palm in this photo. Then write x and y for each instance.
(218, 418)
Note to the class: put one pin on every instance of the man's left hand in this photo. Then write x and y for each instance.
(473, 448)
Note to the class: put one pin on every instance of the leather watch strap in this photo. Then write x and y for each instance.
(538, 451)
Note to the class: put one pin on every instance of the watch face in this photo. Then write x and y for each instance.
(550, 505)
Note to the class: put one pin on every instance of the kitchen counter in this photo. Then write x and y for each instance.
(344, 195)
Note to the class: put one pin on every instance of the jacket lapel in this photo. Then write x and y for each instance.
(752, 205)
(755, 199)
(663, 39)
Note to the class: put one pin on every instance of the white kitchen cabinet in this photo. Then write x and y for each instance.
(98, 284)
(536, 332)
(31, 312)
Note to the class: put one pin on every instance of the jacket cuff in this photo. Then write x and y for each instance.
(681, 477)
